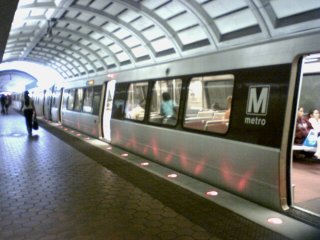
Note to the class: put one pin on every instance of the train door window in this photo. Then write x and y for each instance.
(56, 96)
(78, 99)
(97, 90)
(136, 101)
(119, 99)
(70, 101)
(165, 101)
(87, 100)
(305, 167)
(209, 103)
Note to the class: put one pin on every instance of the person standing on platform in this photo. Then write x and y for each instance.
(2, 99)
(27, 105)
(7, 104)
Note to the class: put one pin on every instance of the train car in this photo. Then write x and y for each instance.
(227, 118)
(81, 106)
(38, 96)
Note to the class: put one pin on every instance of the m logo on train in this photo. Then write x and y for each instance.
(257, 105)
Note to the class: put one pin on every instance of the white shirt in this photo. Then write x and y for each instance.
(30, 106)
(315, 124)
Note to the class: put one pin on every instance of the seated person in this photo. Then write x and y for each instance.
(302, 127)
(227, 113)
(136, 112)
(167, 106)
(314, 120)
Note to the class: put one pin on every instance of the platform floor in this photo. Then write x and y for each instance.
(54, 186)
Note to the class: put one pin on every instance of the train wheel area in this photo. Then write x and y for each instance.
(176, 182)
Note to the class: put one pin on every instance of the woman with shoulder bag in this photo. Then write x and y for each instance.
(28, 108)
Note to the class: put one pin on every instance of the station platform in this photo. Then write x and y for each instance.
(56, 185)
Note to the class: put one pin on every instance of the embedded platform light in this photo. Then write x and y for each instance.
(144, 164)
(90, 82)
(173, 175)
(78, 134)
(212, 193)
(275, 220)
(124, 155)
(16, 134)
(109, 148)
(87, 138)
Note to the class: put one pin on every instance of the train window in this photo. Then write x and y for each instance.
(209, 103)
(78, 99)
(54, 102)
(136, 101)
(87, 101)
(164, 103)
(70, 100)
(97, 90)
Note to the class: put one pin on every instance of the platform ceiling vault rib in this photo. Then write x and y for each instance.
(82, 38)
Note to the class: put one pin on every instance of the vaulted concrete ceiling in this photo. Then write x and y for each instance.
(88, 37)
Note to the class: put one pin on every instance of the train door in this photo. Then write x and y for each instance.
(305, 164)
(108, 109)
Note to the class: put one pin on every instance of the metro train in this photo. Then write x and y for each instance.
(231, 121)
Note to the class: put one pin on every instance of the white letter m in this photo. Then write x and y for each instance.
(258, 105)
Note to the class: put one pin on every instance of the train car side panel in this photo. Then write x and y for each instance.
(223, 163)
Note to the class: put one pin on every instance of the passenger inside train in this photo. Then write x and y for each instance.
(209, 103)
(165, 102)
(307, 135)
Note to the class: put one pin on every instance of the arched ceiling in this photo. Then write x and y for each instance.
(87, 37)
